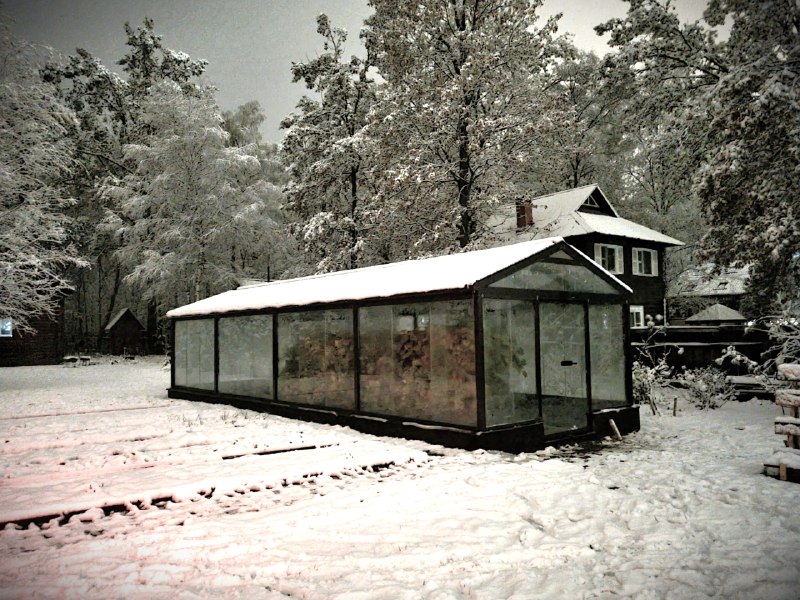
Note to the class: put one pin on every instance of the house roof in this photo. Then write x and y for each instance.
(546, 209)
(702, 281)
(558, 214)
(580, 223)
(118, 316)
(717, 312)
(442, 273)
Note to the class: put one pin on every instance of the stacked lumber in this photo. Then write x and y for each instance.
(789, 424)
(785, 462)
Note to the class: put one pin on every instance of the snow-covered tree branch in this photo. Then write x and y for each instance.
(196, 215)
(36, 156)
(326, 154)
(463, 112)
(736, 104)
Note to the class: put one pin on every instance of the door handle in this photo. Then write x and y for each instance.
(568, 363)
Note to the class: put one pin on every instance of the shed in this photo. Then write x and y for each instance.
(510, 348)
(44, 347)
(717, 314)
(124, 334)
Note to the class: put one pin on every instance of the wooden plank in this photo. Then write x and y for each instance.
(787, 397)
(787, 429)
(790, 371)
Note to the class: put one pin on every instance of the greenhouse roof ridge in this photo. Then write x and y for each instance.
(451, 272)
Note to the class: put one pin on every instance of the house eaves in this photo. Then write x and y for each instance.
(576, 223)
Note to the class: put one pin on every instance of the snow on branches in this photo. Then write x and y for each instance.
(195, 215)
(736, 104)
(36, 158)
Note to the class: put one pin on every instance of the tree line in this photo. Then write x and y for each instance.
(137, 190)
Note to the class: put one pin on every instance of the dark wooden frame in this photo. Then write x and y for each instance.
(524, 436)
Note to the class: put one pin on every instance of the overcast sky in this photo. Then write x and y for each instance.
(249, 44)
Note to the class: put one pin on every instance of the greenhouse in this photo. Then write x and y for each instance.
(511, 348)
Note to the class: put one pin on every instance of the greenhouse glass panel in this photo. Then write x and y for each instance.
(418, 361)
(194, 354)
(316, 359)
(509, 348)
(245, 356)
(565, 406)
(608, 356)
(557, 277)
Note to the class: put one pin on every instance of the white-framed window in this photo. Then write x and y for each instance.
(645, 262)
(6, 328)
(609, 257)
(637, 315)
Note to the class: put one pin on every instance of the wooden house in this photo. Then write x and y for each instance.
(45, 347)
(510, 348)
(587, 220)
(702, 286)
(124, 334)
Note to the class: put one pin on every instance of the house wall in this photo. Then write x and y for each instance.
(647, 291)
(44, 348)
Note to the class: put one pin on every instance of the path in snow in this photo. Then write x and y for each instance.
(679, 510)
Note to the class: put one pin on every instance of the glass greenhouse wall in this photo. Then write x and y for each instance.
(418, 361)
(245, 356)
(521, 355)
(315, 358)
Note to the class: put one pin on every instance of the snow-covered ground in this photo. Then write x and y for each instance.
(172, 499)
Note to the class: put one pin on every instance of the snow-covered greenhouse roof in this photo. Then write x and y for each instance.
(454, 272)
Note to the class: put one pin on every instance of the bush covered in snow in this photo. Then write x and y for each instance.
(707, 387)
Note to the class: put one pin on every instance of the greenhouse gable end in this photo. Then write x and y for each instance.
(511, 348)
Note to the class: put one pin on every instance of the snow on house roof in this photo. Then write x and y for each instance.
(717, 312)
(702, 281)
(442, 273)
(549, 208)
(580, 223)
(118, 316)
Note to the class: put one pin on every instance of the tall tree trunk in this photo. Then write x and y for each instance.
(466, 225)
(112, 302)
(353, 208)
(152, 343)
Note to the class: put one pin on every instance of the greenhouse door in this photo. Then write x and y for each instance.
(565, 406)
